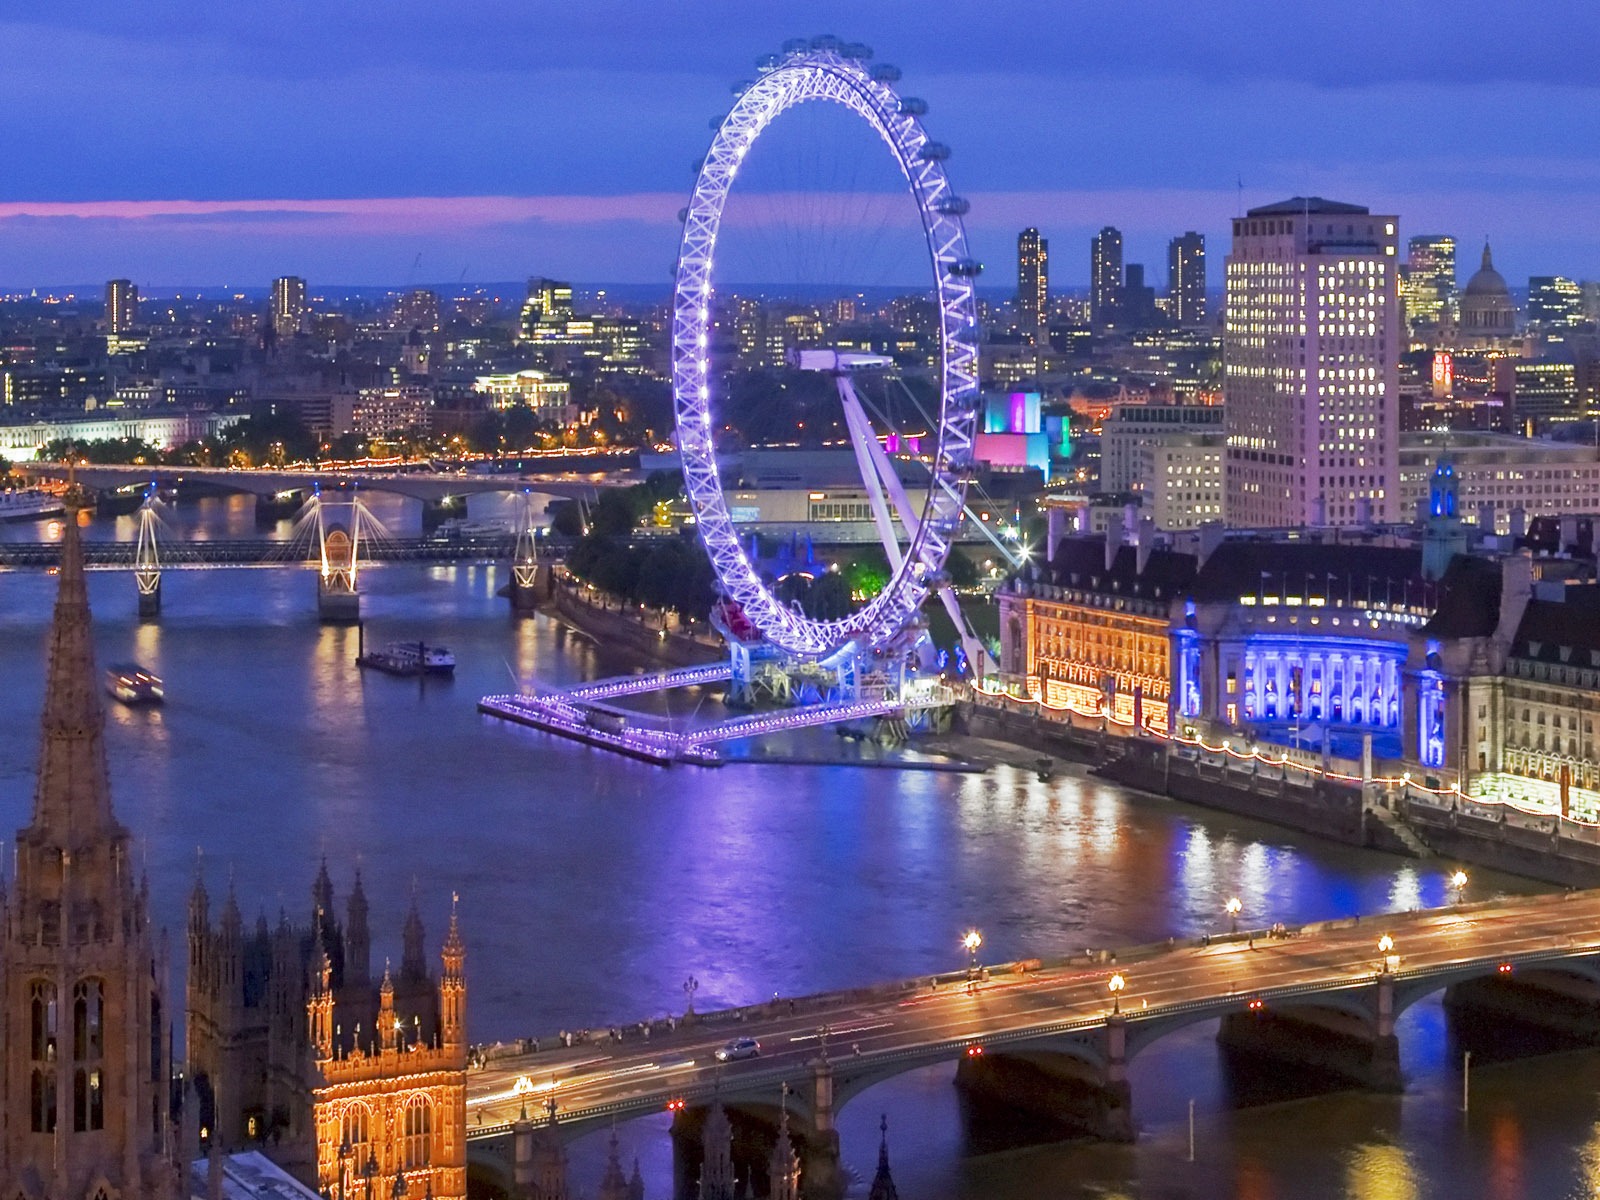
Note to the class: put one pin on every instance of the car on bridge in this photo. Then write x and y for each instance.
(739, 1048)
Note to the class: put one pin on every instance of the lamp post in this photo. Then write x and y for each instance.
(1116, 984)
(972, 941)
(691, 985)
(1388, 959)
(1458, 885)
(1232, 908)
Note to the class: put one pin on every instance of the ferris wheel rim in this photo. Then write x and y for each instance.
(800, 77)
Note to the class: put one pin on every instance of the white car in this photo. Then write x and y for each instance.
(739, 1048)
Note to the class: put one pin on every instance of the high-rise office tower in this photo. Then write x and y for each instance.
(1186, 279)
(1309, 357)
(1430, 285)
(1105, 274)
(1554, 302)
(419, 309)
(547, 309)
(288, 305)
(1033, 285)
(122, 306)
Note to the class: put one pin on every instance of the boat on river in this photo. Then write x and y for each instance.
(29, 504)
(134, 685)
(409, 659)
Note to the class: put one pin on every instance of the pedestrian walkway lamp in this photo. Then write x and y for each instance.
(972, 941)
(691, 985)
(1232, 907)
(1116, 985)
(1458, 885)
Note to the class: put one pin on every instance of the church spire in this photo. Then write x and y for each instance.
(883, 1183)
(1488, 259)
(72, 802)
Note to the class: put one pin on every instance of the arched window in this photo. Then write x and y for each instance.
(43, 1025)
(88, 1012)
(417, 1148)
(353, 1133)
(44, 1099)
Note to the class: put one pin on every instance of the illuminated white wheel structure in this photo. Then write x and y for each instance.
(826, 70)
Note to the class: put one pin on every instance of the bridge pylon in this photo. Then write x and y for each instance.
(147, 559)
(531, 580)
(338, 597)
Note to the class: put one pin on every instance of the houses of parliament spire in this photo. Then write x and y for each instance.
(86, 1083)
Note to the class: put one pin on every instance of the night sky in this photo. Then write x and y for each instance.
(398, 141)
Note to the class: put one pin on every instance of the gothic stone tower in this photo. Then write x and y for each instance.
(86, 1092)
(391, 1089)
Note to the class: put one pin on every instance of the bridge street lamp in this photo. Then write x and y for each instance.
(1458, 885)
(1116, 984)
(691, 985)
(972, 941)
(1388, 959)
(1232, 908)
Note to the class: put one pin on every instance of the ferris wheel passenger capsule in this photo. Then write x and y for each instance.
(796, 46)
(952, 206)
(913, 106)
(767, 62)
(857, 50)
(965, 268)
(933, 152)
(826, 41)
(886, 73)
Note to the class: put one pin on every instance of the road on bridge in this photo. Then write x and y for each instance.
(588, 1082)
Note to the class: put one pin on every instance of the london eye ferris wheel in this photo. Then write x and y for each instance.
(824, 69)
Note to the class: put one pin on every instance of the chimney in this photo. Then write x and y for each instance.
(1147, 543)
(1569, 535)
(1485, 518)
(1519, 522)
(1114, 529)
(1516, 589)
(1055, 530)
(1211, 536)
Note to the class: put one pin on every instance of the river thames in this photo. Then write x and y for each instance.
(592, 887)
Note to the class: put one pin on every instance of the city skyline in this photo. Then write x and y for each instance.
(428, 173)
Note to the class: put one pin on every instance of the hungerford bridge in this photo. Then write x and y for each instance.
(1054, 1038)
(334, 535)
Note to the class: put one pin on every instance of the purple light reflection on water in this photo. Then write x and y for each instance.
(592, 886)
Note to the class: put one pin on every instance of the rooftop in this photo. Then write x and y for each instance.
(1308, 204)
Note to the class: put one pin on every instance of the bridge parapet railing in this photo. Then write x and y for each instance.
(825, 1003)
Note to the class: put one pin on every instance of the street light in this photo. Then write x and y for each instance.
(691, 985)
(1232, 908)
(972, 941)
(1116, 984)
(1458, 882)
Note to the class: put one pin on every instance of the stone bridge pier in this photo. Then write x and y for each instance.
(1352, 1044)
(272, 507)
(1079, 1084)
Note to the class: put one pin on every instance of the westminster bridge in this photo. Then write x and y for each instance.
(1051, 1037)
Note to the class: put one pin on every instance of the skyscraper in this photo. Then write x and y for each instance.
(1554, 302)
(1186, 278)
(418, 309)
(1105, 275)
(122, 306)
(1430, 286)
(288, 305)
(86, 1085)
(1033, 285)
(1309, 360)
